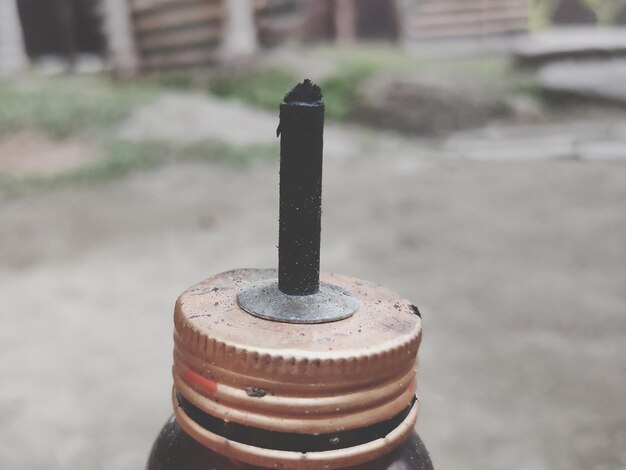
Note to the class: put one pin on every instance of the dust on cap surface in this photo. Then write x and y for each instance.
(384, 321)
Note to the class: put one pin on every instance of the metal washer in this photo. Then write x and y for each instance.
(265, 300)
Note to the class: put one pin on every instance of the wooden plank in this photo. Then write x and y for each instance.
(465, 18)
(456, 31)
(424, 25)
(518, 9)
(504, 20)
(513, 8)
(455, 7)
(179, 59)
(147, 6)
(272, 4)
(283, 22)
(277, 20)
(492, 16)
(180, 37)
(466, 34)
(194, 14)
(470, 30)
(276, 30)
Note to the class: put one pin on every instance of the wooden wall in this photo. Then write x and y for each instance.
(368, 20)
(61, 27)
(278, 21)
(187, 33)
(177, 33)
(448, 19)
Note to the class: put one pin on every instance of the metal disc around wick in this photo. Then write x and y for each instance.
(265, 300)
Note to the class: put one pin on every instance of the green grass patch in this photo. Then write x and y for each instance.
(384, 59)
(217, 152)
(120, 158)
(178, 80)
(488, 68)
(264, 88)
(341, 90)
(64, 106)
(379, 57)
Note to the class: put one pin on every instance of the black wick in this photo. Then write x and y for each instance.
(298, 296)
(301, 131)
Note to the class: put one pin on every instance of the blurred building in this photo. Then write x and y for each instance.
(188, 33)
(164, 34)
(460, 19)
(146, 35)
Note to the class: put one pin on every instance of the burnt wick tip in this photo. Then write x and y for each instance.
(305, 92)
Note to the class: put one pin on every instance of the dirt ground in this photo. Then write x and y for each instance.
(519, 268)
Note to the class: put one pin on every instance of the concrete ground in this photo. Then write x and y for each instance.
(518, 265)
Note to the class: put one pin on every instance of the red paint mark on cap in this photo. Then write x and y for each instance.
(198, 381)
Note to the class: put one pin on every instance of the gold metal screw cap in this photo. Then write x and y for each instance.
(305, 379)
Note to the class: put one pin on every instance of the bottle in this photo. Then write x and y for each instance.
(288, 368)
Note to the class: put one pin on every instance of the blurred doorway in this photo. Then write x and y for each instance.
(61, 28)
(377, 20)
(352, 20)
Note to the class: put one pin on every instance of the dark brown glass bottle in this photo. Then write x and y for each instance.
(176, 450)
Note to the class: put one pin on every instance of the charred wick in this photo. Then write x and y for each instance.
(301, 131)
(305, 92)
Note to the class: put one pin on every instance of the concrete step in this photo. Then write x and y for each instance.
(603, 80)
(571, 43)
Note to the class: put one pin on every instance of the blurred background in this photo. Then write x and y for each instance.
(475, 162)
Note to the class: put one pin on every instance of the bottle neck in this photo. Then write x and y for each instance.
(293, 442)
